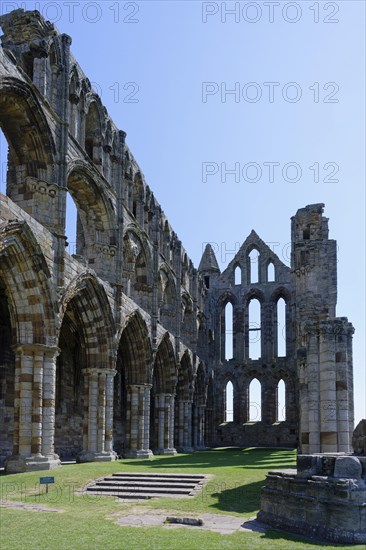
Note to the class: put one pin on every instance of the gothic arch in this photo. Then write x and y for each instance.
(27, 279)
(225, 298)
(136, 246)
(280, 292)
(94, 124)
(25, 127)
(88, 300)
(96, 213)
(135, 350)
(254, 293)
(164, 370)
(185, 378)
(164, 381)
(200, 387)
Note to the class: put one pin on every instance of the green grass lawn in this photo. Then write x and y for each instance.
(86, 522)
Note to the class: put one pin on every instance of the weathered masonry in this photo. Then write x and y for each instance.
(122, 347)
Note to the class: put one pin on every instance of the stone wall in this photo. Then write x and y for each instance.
(325, 498)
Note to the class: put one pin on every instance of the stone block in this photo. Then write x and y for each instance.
(347, 467)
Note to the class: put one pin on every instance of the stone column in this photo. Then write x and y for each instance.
(25, 400)
(164, 403)
(16, 404)
(97, 440)
(243, 408)
(49, 399)
(269, 402)
(161, 415)
(92, 410)
(37, 405)
(171, 425)
(34, 409)
(327, 388)
(109, 410)
(138, 421)
(351, 410)
(209, 426)
(185, 427)
(202, 436)
(313, 436)
(344, 387)
(198, 426)
(101, 412)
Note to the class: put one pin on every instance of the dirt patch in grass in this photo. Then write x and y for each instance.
(150, 517)
(28, 507)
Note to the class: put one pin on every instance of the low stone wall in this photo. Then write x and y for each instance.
(254, 434)
(324, 498)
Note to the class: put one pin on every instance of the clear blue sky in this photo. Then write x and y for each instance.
(167, 51)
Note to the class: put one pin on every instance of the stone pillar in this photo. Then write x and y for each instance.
(313, 435)
(209, 426)
(101, 412)
(344, 442)
(109, 410)
(37, 410)
(327, 389)
(164, 406)
(92, 410)
(34, 409)
(25, 400)
(269, 402)
(344, 386)
(198, 426)
(170, 399)
(194, 425)
(243, 405)
(185, 427)
(16, 404)
(97, 440)
(49, 398)
(138, 421)
(351, 410)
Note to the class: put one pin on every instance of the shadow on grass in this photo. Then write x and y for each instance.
(263, 459)
(274, 534)
(243, 499)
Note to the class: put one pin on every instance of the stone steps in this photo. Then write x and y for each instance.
(143, 486)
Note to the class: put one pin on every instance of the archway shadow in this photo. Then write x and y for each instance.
(253, 458)
(242, 499)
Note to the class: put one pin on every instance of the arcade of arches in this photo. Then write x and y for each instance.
(124, 347)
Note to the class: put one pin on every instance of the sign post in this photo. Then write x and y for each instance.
(46, 481)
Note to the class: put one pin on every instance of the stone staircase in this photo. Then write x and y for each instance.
(134, 486)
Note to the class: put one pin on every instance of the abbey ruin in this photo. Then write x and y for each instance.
(120, 348)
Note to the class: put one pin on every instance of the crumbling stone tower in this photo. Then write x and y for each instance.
(324, 342)
(119, 348)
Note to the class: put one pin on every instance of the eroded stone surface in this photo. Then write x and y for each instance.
(330, 505)
(348, 467)
(359, 438)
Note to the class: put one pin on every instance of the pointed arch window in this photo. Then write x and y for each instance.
(229, 313)
(254, 332)
(281, 401)
(229, 402)
(253, 258)
(281, 328)
(255, 401)
(237, 275)
(271, 273)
